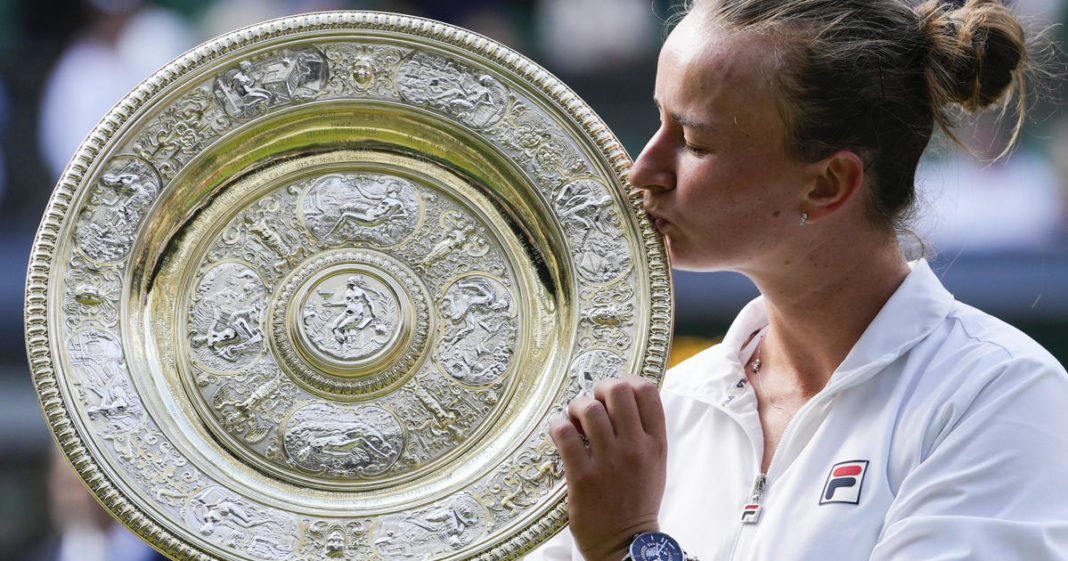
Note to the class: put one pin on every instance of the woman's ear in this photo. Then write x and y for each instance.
(834, 181)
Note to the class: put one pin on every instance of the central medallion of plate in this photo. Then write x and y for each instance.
(350, 323)
(349, 316)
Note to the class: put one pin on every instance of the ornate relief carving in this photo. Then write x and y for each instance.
(337, 540)
(241, 525)
(380, 209)
(226, 319)
(98, 365)
(447, 526)
(476, 99)
(91, 294)
(479, 330)
(608, 317)
(327, 348)
(459, 233)
(523, 481)
(363, 69)
(150, 460)
(260, 224)
(181, 130)
(350, 316)
(116, 205)
(343, 442)
(255, 85)
(539, 145)
(592, 366)
(266, 235)
(250, 409)
(440, 415)
(588, 213)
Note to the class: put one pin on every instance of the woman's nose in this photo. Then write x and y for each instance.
(652, 169)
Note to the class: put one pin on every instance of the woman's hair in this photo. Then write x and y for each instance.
(874, 76)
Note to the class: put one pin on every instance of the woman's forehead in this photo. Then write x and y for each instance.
(720, 79)
(707, 59)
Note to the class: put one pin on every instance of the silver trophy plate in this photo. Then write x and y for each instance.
(316, 289)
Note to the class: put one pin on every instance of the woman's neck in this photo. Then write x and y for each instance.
(820, 305)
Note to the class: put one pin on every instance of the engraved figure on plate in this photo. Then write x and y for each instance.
(451, 524)
(460, 234)
(351, 316)
(117, 204)
(225, 321)
(240, 525)
(336, 540)
(262, 224)
(476, 100)
(585, 208)
(439, 415)
(254, 86)
(363, 70)
(181, 130)
(98, 363)
(524, 479)
(609, 319)
(440, 422)
(245, 408)
(343, 442)
(539, 145)
(380, 209)
(479, 331)
(91, 294)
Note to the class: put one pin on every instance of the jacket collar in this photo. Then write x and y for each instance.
(915, 309)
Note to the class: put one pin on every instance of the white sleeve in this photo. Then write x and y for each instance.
(559, 548)
(992, 482)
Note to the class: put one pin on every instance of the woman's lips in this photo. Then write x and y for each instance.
(658, 221)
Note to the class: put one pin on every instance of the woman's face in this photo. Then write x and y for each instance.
(716, 176)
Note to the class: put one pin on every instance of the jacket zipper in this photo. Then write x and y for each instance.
(751, 512)
(754, 508)
(761, 483)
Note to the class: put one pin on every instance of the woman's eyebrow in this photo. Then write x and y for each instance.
(687, 121)
(694, 124)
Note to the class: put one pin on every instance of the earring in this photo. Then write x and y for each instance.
(804, 218)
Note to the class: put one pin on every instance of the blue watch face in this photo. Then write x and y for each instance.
(655, 546)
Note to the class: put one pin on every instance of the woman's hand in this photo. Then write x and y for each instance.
(616, 482)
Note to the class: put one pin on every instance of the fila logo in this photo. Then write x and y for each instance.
(751, 514)
(844, 483)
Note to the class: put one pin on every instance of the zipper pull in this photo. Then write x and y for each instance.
(751, 512)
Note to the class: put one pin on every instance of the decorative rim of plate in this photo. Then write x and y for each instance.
(36, 314)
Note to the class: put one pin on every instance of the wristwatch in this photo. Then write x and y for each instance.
(655, 546)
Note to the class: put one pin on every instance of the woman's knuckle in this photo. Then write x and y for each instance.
(576, 405)
(591, 408)
(560, 430)
(645, 387)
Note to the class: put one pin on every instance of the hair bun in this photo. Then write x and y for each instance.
(976, 52)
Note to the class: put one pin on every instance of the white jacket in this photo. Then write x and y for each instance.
(942, 436)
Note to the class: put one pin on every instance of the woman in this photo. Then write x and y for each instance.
(854, 410)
